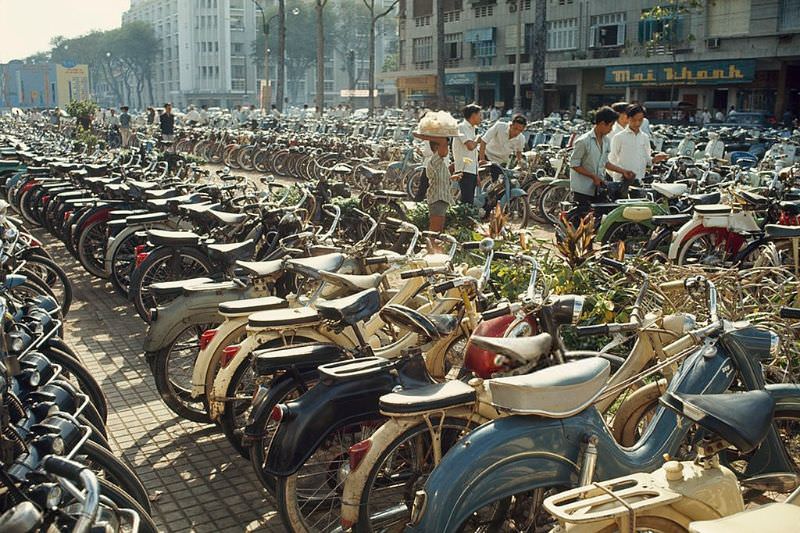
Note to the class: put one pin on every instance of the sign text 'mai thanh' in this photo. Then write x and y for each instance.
(690, 73)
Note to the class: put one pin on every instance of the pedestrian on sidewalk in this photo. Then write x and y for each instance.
(167, 125)
(465, 152)
(124, 126)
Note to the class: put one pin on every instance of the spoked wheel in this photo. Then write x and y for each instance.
(122, 263)
(413, 182)
(53, 276)
(521, 512)
(399, 472)
(172, 369)
(518, 212)
(310, 499)
(92, 248)
(706, 249)
(550, 202)
(164, 264)
(635, 236)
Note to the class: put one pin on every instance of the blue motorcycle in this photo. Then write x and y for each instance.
(497, 476)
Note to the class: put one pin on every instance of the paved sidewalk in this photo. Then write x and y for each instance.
(196, 479)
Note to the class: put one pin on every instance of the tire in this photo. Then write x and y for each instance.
(301, 514)
(114, 471)
(518, 212)
(634, 236)
(32, 287)
(550, 202)
(26, 207)
(700, 249)
(402, 453)
(124, 500)
(627, 424)
(80, 375)
(535, 191)
(123, 260)
(172, 371)
(92, 248)
(159, 266)
(53, 276)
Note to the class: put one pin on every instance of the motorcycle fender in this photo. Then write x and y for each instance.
(319, 412)
(391, 430)
(500, 458)
(787, 395)
(681, 235)
(173, 319)
(516, 192)
(226, 332)
(559, 183)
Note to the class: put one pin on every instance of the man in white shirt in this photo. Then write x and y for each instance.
(715, 147)
(192, 116)
(465, 152)
(494, 114)
(622, 119)
(503, 140)
(630, 149)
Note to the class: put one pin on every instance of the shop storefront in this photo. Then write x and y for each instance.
(417, 90)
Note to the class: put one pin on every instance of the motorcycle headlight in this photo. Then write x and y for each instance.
(53, 499)
(566, 309)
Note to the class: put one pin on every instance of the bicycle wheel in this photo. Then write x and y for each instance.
(113, 470)
(635, 236)
(92, 248)
(123, 261)
(550, 202)
(535, 190)
(53, 276)
(517, 211)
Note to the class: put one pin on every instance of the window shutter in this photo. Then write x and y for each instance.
(621, 34)
(593, 37)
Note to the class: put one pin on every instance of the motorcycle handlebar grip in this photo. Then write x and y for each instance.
(408, 274)
(613, 263)
(444, 286)
(378, 260)
(394, 221)
(471, 245)
(64, 467)
(790, 312)
(504, 256)
(588, 331)
(670, 285)
(496, 312)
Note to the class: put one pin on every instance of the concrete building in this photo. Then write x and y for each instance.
(42, 85)
(742, 53)
(205, 50)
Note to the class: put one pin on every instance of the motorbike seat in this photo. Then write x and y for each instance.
(51, 185)
(352, 309)
(352, 282)
(741, 419)
(273, 318)
(775, 231)
(398, 195)
(37, 171)
(227, 218)
(154, 194)
(146, 218)
(429, 327)
(712, 209)
(159, 237)
(370, 172)
(165, 288)
(178, 200)
(250, 305)
(261, 268)
(208, 287)
(122, 214)
(311, 266)
(96, 170)
(555, 392)
(196, 209)
(637, 213)
(142, 185)
(781, 517)
(753, 199)
(307, 355)
(65, 167)
(670, 190)
(704, 199)
(521, 349)
(430, 397)
(671, 220)
(791, 208)
(342, 168)
(231, 252)
(70, 194)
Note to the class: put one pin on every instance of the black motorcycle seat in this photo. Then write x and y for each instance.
(555, 392)
(713, 209)
(96, 170)
(71, 194)
(283, 317)
(753, 199)
(251, 305)
(261, 268)
(311, 266)
(705, 198)
(143, 185)
(227, 218)
(431, 397)
(116, 224)
(159, 237)
(65, 167)
(776, 231)
(102, 181)
(398, 195)
(339, 371)
(178, 200)
(429, 326)
(51, 185)
(671, 220)
(197, 209)
(232, 252)
(122, 214)
(176, 287)
(352, 282)
(791, 207)
(741, 419)
(301, 355)
(522, 349)
(146, 217)
(155, 194)
(351, 309)
(370, 172)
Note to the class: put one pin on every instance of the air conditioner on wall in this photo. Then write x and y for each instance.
(712, 43)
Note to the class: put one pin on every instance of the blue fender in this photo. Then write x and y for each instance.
(517, 192)
(13, 280)
(503, 457)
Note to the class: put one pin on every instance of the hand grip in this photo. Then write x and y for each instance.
(504, 256)
(471, 245)
(444, 286)
(790, 312)
(408, 274)
(588, 331)
(64, 468)
(613, 263)
(378, 260)
(503, 310)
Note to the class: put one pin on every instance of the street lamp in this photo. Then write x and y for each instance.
(265, 28)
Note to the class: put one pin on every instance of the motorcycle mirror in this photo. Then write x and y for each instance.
(486, 245)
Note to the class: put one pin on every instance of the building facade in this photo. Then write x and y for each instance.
(205, 50)
(42, 85)
(741, 53)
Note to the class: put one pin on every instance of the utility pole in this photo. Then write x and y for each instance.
(517, 67)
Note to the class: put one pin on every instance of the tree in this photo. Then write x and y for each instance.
(319, 6)
(440, 55)
(373, 19)
(538, 56)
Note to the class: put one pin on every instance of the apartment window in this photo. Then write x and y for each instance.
(485, 10)
(422, 21)
(512, 5)
(329, 88)
(237, 22)
(216, 46)
(607, 30)
(789, 15)
(238, 71)
(731, 17)
(203, 72)
(484, 49)
(422, 52)
(452, 10)
(562, 34)
(664, 29)
(565, 2)
(402, 54)
(452, 45)
(238, 84)
(203, 46)
(237, 48)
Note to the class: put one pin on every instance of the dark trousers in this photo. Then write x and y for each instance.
(467, 184)
(423, 186)
(583, 204)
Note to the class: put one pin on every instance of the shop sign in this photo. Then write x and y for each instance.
(526, 76)
(690, 73)
(419, 83)
(356, 93)
(461, 78)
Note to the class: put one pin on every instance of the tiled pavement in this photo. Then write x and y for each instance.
(196, 480)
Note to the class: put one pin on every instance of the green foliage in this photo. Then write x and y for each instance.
(390, 63)
(81, 108)
(86, 137)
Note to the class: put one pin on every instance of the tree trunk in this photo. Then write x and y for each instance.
(538, 54)
(440, 56)
(320, 96)
(150, 88)
(371, 95)
(281, 81)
